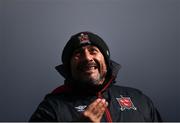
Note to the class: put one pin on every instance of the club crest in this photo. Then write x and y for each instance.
(126, 103)
(83, 38)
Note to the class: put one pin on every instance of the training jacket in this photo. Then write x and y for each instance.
(67, 102)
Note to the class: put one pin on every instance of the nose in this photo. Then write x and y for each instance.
(86, 55)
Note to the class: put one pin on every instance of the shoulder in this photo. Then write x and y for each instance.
(129, 97)
(126, 90)
(61, 89)
(62, 94)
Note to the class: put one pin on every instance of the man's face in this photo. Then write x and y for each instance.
(88, 65)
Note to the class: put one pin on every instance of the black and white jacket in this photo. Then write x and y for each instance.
(67, 102)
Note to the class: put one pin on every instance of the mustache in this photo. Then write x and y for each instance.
(88, 64)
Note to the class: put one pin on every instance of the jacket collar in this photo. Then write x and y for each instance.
(111, 76)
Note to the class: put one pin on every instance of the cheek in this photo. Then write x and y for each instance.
(102, 64)
(73, 64)
(74, 61)
(104, 68)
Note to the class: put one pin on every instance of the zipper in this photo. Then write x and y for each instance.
(99, 95)
(108, 115)
(107, 112)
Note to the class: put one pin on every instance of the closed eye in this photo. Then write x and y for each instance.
(93, 50)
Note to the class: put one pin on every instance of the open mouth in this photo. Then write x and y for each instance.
(88, 67)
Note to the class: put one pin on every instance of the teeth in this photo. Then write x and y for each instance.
(92, 68)
(89, 68)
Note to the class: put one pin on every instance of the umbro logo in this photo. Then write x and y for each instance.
(80, 108)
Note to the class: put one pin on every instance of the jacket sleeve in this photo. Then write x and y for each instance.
(157, 117)
(44, 112)
(153, 115)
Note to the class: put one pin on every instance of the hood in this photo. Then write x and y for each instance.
(79, 88)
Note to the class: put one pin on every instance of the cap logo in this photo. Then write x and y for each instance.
(83, 38)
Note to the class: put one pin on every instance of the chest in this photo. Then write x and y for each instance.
(120, 108)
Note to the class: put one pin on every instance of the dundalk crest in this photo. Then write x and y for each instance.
(83, 38)
(126, 103)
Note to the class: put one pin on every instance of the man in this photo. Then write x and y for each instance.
(89, 93)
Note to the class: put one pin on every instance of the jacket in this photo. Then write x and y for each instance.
(67, 102)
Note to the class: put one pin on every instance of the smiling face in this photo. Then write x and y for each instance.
(88, 65)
